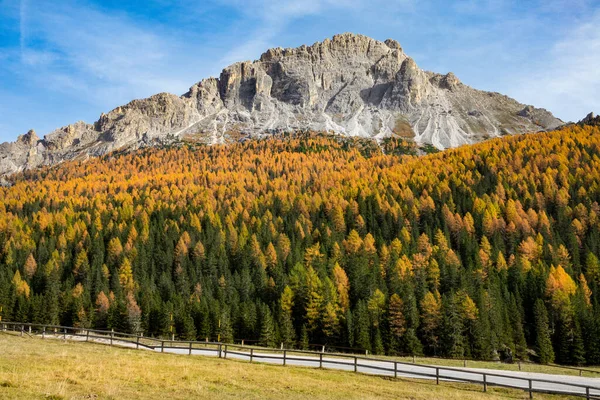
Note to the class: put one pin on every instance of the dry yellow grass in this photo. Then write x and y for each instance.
(32, 368)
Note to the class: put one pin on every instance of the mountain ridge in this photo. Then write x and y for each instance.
(350, 84)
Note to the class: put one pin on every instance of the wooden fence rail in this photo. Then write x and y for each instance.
(352, 362)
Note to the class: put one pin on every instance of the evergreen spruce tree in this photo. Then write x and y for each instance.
(288, 335)
(52, 299)
(225, 329)
(453, 339)
(267, 328)
(117, 316)
(590, 333)
(362, 327)
(349, 328)
(543, 341)
(185, 327)
(577, 346)
(411, 343)
(304, 338)
(518, 334)
(378, 343)
(202, 320)
(563, 339)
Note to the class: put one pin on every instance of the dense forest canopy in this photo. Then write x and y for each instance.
(309, 238)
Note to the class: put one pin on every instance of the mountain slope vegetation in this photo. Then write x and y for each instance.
(478, 251)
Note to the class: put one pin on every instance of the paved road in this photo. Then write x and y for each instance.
(514, 379)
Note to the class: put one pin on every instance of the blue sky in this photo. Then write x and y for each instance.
(63, 61)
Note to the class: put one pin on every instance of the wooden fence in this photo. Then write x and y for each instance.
(284, 357)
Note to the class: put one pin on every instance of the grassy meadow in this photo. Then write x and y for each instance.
(32, 368)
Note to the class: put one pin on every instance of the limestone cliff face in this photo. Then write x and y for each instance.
(350, 85)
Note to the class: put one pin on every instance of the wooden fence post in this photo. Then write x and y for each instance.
(65, 334)
(220, 350)
(87, 335)
(30, 332)
(251, 354)
(484, 383)
(437, 376)
(22, 330)
(587, 393)
(190, 348)
(112, 333)
(320, 360)
(530, 389)
(225, 355)
(162, 346)
(355, 364)
(44, 332)
(137, 342)
(395, 369)
(284, 355)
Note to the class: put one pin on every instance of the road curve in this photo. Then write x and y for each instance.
(514, 379)
(550, 383)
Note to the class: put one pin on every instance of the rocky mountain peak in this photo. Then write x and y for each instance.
(590, 119)
(28, 139)
(450, 81)
(392, 44)
(349, 85)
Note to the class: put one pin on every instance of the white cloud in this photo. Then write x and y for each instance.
(107, 58)
(568, 79)
(77, 53)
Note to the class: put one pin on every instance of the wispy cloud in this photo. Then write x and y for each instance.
(273, 17)
(568, 78)
(71, 59)
(107, 58)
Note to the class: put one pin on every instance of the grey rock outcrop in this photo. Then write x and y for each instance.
(26, 152)
(590, 119)
(349, 85)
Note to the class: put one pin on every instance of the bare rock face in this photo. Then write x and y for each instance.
(146, 119)
(349, 85)
(590, 119)
(25, 152)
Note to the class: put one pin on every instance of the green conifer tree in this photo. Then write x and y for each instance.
(543, 341)
(267, 328)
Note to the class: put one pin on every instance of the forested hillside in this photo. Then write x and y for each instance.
(316, 239)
